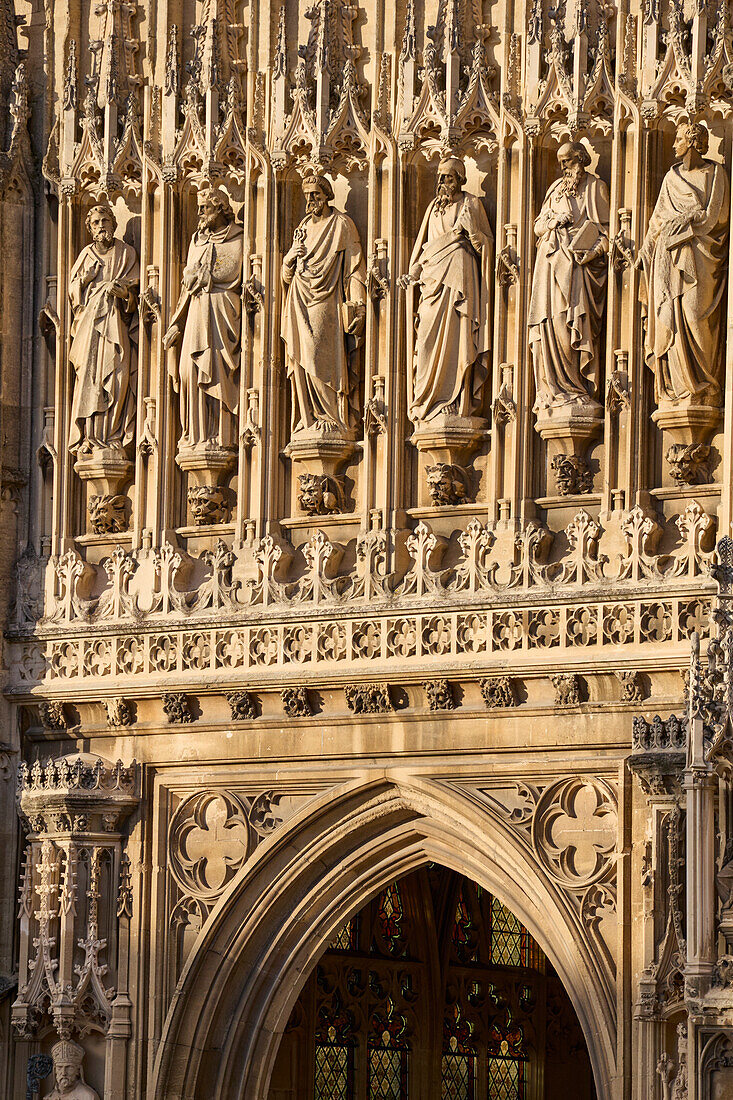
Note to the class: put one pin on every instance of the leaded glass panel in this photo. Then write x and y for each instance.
(457, 1077)
(390, 914)
(506, 936)
(334, 1073)
(506, 1079)
(348, 937)
(387, 1074)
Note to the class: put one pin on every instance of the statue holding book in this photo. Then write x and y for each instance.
(683, 263)
(569, 284)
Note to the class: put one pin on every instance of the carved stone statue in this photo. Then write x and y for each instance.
(568, 285)
(451, 264)
(103, 293)
(206, 324)
(324, 313)
(683, 261)
(68, 1077)
(674, 1085)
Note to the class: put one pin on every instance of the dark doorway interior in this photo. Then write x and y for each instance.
(433, 991)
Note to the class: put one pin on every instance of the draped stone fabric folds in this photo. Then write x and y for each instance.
(210, 307)
(103, 407)
(454, 251)
(314, 328)
(568, 298)
(683, 283)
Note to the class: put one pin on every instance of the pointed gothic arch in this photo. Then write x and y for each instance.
(267, 932)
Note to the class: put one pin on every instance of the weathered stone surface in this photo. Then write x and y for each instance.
(363, 453)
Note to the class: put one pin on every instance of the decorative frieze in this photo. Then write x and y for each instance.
(457, 636)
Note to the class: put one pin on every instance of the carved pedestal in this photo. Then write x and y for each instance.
(318, 458)
(686, 432)
(568, 431)
(208, 500)
(105, 471)
(448, 442)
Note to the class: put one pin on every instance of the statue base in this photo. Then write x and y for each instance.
(686, 432)
(207, 467)
(568, 431)
(448, 442)
(318, 458)
(105, 472)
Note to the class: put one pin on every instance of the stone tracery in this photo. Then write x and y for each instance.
(461, 473)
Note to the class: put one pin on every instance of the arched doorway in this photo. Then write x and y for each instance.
(434, 990)
(231, 1006)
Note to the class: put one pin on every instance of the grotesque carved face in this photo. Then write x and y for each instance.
(316, 199)
(102, 229)
(441, 486)
(67, 1075)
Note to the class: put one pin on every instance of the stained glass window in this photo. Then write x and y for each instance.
(464, 941)
(458, 1066)
(387, 1074)
(458, 1075)
(507, 1079)
(388, 1054)
(506, 936)
(334, 1073)
(348, 938)
(390, 914)
(507, 1060)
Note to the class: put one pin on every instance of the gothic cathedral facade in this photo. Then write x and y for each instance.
(366, 497)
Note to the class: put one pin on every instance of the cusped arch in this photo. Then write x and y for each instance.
(252, 957)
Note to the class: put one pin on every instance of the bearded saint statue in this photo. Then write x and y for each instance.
(451, 264)
(207, 324)
(569, 284)
(323, 314)
(683, 262)
(103, 294)
(68, 1076)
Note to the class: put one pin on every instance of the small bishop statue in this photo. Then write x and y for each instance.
(69, 1081)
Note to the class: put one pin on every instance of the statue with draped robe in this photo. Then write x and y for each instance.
(206, 323)
(103, 293)
(451, 265)
(569, 284)
(324, 313)
(683, 264)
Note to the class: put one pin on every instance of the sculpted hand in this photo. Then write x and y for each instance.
(91, 273)
(586, 257)
(357, 325)
(172, 336)
(117, 290)
(680, 223)
(412, 278)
